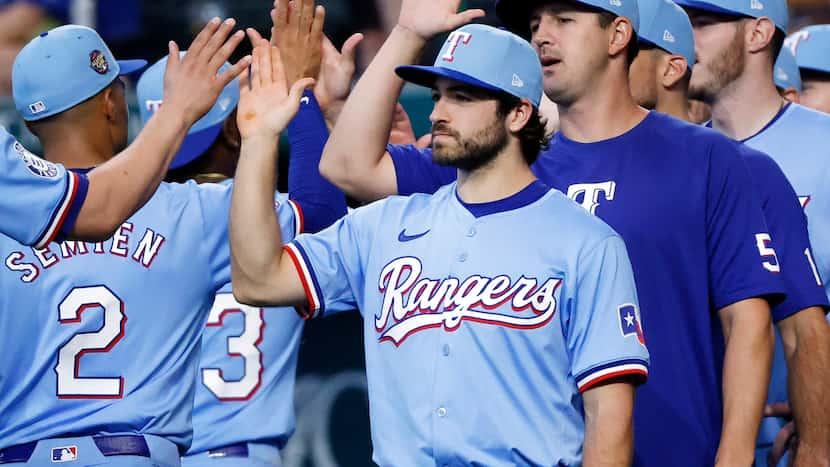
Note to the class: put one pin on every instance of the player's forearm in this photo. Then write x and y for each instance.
(806, 338)
(609, 433)
(746, 371)
(123, 184)
(255, 236)
(358, 141)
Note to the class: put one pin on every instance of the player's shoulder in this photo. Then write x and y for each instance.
(693, 142)
(402, 205)
(805, 118)
(574, 221)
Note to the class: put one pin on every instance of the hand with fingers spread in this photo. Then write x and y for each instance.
(428, 18)
(266, 104)
(336, 73)
(298, 32)
(191, 82)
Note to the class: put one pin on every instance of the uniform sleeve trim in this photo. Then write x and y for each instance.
(299, 219)
(309, 280)
(613, 370)
(73, 197)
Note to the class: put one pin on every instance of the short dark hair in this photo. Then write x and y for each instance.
(533, 137)
(605, 19)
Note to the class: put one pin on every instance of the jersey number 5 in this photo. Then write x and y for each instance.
(80, 299)
(761, 241)
(244, 345)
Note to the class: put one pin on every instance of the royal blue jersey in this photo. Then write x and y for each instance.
(681, 198)
(104, 338)
(479, 338)
(41, 200)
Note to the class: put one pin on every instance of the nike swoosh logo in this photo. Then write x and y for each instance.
(305, 100)
(403, 237)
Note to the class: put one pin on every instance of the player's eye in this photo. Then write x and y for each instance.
(435, 97)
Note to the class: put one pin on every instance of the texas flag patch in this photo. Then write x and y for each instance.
(630, 322)
(65, 454)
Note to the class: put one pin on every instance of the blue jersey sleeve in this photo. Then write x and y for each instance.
(42, 200)
(322, 203)
(415, 171)
(214, 201)
(604, 331)
(743, 262)
(788, 227)
(331, 263)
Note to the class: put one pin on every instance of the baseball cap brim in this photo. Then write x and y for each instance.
(426, 76)
(128, 67)
(195, 144)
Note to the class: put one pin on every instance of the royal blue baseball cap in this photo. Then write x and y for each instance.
(811, 47)
(63, 67)
(150, 94)
(785, 72)
(776, 10)
(515, 14)
(485, 57)
(665, 25)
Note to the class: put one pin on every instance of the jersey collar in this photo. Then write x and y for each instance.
(526, 196)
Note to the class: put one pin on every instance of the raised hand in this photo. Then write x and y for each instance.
(401, 132)
(428, 18)
(298, 32)
(191, 83)
(266, 104)
(336, 72)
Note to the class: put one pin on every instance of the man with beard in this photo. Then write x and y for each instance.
(810, 47)
(736, 45)
(484, 345)
(678, 194)
(800, 318)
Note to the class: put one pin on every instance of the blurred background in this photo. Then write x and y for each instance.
(331, 400)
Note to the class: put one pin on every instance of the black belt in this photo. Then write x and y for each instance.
(118, 445)
(231, 450)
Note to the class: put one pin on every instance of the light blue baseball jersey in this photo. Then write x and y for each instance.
(104, 338)
(245, 383)
(41, 200)
(479, 335)
(796, 139)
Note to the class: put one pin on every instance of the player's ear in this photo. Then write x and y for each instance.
(759, 33)
(674, 70)
(791, 95)
(519, 116)
(621, 33)
(108, 103)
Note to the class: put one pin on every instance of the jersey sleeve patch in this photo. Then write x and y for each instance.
(311, 286)
(612, 370)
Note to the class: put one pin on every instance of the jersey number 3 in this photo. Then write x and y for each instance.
(244, 345)
(80, 299)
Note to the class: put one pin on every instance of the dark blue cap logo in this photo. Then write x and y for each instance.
(98, 62)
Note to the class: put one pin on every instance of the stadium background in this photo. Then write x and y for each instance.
(330, 399)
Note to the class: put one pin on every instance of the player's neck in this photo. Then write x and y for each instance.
(673, 103)
(506, 175)
(605, 112)
(746, 106)
(77, 150)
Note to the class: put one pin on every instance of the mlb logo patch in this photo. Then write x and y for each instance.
(65, 454)
(630, 322)
(37, 107)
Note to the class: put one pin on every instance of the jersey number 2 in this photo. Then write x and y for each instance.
(80, 299)
(244, 345)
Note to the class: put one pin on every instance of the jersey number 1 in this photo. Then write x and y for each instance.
(80, 299)
(244, 345)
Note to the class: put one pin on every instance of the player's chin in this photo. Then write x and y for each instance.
(445, 154)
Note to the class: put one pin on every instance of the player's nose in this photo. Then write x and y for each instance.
(439, 112)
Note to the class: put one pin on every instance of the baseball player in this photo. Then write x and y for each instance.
(667, 29)
(100, 369)
(243, 412)
(51, 203)
(479, 350)
(640, 172)
(787, 76)
(747, 107)
(809, 45)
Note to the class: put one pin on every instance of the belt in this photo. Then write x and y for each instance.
(231, 450)
(117, 445)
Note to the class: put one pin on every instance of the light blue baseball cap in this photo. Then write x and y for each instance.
(665, 25)
(776, 10)
(150, 94)
(515, 14)
(485, 57)
(785, 72)
(811, 47)
(63, 67)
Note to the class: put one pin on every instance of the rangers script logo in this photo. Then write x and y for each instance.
(412, 303)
